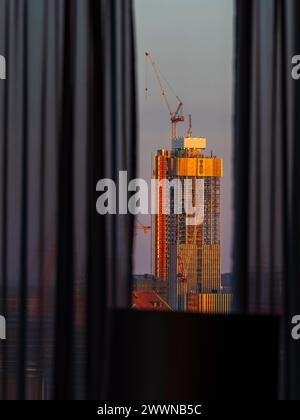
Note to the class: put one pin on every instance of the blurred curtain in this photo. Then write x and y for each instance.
(266, 172)
(67, 119)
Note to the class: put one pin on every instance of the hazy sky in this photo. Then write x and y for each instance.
(192, 43)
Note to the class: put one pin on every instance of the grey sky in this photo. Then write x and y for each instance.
(192, 43)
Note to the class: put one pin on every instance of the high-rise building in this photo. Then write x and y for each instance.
(214, 303)
(186, 248)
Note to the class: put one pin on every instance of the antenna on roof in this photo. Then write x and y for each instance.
(190, 126)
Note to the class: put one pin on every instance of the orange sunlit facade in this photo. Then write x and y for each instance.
(188, 256)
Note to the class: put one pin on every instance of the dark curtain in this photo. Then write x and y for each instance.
(266, 172)
(67, 120)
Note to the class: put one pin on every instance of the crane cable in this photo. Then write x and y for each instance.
(146, 77)
(163, 77)
(168, 83)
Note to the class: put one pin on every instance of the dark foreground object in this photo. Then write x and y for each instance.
(193, 357)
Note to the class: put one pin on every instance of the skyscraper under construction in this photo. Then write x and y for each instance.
(184, 254)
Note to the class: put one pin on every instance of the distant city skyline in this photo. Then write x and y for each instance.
(191, 41)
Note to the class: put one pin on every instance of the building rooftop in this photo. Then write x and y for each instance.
(148, 300)
(189, 143)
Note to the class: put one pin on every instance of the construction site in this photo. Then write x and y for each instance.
(187, 257)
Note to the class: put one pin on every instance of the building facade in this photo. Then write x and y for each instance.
(186, 247)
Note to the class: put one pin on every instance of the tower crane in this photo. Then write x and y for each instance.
(140, 226)
(145, 229)
(175, 116)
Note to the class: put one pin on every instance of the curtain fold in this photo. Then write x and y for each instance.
(266, 171)
(67, 120)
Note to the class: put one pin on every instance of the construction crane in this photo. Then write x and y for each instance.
(140, 226)
(175, 116)
(146, 229)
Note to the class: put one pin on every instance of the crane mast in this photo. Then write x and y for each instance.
(175, 116)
